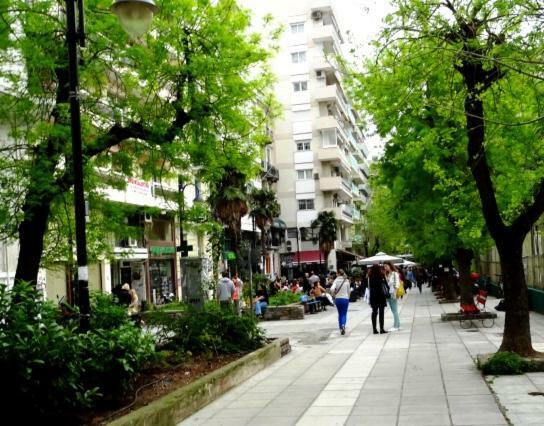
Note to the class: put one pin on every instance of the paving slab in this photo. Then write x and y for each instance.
(422, 375)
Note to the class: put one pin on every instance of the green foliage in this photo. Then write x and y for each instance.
(40, 360)
(106, 314)
(258, 281)
(284, 298)
(214, 114)
(208, 331)
(506, 363)
(327, 227)
(114, 358)
(49, 369)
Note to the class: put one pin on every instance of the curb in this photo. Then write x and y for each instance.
(185, 401)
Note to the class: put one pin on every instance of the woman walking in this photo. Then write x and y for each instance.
(341, 289)
(393, 280)
(377, 299)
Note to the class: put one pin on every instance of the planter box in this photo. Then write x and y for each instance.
(183, 402)
(294, 311)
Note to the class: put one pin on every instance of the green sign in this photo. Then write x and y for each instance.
(155, 250)
(229, 255)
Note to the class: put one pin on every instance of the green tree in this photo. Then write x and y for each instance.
(229, 202)
(183, 96)
(483, 60)
(326, 226)
(264, 208)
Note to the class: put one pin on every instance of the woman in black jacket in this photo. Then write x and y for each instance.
(376, 281)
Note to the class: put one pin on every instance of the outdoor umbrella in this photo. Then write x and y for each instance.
(408, 263)
(380, 258)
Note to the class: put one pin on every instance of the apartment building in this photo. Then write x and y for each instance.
(318, 148)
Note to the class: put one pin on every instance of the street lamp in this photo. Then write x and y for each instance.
(135, 16)
(75, 35)
(183, 247)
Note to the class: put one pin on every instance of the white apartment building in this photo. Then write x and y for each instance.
(318, 148)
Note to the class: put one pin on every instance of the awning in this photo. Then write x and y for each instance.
(348, 254)
(308, 256)
(278, 223)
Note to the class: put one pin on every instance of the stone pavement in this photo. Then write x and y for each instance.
(420, 375)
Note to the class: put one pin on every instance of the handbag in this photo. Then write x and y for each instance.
(385, 289)
(400, 290)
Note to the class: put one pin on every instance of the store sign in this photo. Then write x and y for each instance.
(158, 251)
(138, 187)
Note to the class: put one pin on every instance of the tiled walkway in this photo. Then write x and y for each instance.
(420, 375)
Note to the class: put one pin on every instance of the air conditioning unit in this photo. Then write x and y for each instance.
(132, 242)
(316, 176)
(320, 75)
(317, 15)
(148, 218)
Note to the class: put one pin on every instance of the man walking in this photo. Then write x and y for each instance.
(225, 291)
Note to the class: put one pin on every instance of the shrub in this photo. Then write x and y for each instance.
(503, 363)
(209, 331)
(106, 314)
(50, 369)
(114, 358)
(40, 360)
(284, 298)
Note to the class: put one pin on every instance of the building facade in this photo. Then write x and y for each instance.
(318, 147)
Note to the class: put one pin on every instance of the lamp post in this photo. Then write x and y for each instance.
(135, 15)
(184, 249)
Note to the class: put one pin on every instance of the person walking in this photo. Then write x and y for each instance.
(340, 290)
(393, 281)
(225, 291)
(377, 299)
(238, 292)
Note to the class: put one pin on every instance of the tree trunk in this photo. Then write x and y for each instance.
(517, 330)
(464, 259)
(31, 236)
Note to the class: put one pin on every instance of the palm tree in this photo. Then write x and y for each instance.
(228, 200)
(326, 226)
(264, 208)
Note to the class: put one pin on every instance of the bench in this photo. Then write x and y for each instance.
(314, 306)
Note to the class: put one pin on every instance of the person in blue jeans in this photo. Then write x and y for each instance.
(393, 280)
(261, 301)
(341, 290)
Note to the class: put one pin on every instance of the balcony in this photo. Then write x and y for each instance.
(364, 168)
(334, 155)
(335, 184)
(323, 63)
(326, 33)
(343, 213)
(326, 93)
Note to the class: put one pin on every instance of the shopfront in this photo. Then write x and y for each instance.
(162, 273)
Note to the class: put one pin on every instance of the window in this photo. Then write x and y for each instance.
(292, 232)
(297, 28)
(298, 57)
(306, 204)
(304, 145)
(300, 86)
(304, 174)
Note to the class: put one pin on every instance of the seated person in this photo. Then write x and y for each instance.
(261, 301)
(295, 288)
(318, 292)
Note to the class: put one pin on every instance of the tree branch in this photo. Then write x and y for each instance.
(531, 213)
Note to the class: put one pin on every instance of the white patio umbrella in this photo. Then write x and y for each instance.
(380, 258)
(408, 263)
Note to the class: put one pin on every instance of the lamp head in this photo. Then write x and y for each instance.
(135, 16)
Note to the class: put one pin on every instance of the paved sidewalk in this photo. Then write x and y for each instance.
(420, 375)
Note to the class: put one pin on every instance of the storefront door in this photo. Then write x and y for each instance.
(161, 273)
